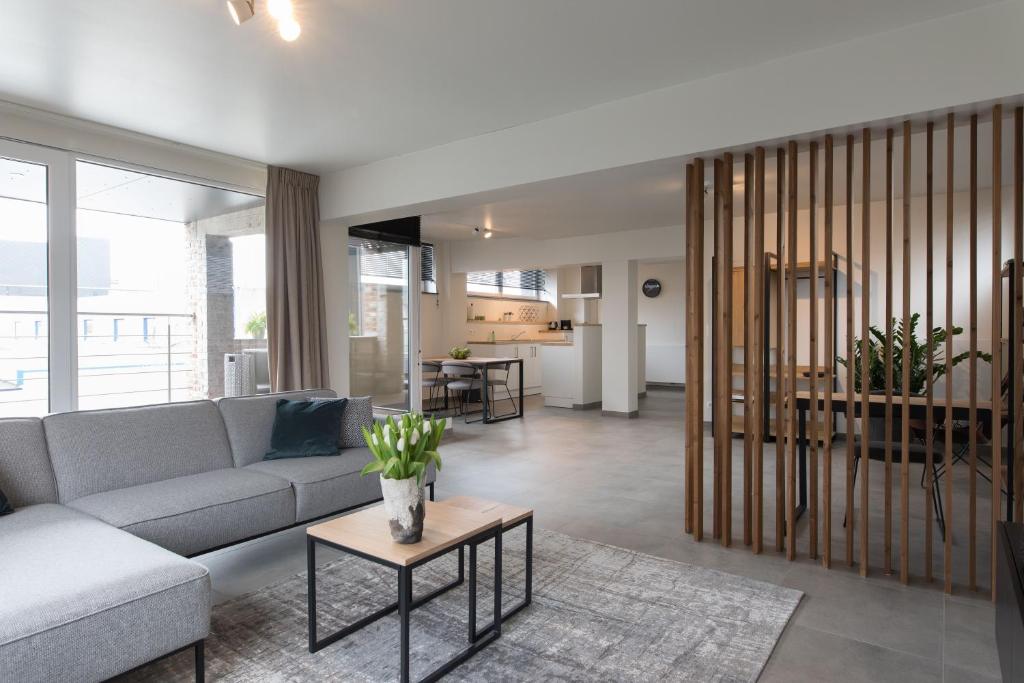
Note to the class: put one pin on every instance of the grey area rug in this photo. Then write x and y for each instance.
(599, 613)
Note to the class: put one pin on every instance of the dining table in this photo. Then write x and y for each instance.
(484, 364)
(959, 409)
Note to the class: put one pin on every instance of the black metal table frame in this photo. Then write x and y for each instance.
(528, 595)
(406, 603)
(484, 367)
(877, 409)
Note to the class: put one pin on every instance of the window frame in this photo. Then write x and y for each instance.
(62, 251)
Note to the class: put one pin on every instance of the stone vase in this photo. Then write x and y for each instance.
(403, 503)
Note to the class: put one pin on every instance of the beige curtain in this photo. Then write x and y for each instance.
(296, 314)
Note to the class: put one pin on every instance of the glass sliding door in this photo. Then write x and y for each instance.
(379, 322)
(24, 288)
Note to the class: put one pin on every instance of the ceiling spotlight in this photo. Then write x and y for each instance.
(279, 9)
(488, 234)
(289, 29)
(241, 11)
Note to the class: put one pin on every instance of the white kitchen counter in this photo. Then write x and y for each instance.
(572, 371)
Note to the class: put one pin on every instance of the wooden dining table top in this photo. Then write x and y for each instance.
(937, 400)
(473, 361)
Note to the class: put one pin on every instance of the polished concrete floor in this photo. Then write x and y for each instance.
(620, 482)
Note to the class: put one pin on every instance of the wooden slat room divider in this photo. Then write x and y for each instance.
(793, 392)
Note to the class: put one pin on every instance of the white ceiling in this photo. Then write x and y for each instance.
(369, 79)
(651, 195)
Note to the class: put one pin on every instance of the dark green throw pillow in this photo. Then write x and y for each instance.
(306, 428)
(5, 505)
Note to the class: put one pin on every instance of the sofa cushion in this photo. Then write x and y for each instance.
(83, 601)
(103, 450)
(250, 421)
(358, 414)
(328, 484)
(306, 428)
(25, 473)
(201, 511)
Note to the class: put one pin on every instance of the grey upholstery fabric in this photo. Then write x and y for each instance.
(250, 421)
(358, 414)
(83, 601)
(103, 450)
(326, 484)
(195, 513)
(26, 477)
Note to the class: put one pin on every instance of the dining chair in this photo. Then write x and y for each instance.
(433, 381)
(498, 376)
(916, 456)
(461, 378)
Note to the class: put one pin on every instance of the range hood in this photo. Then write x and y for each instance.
(590, 284)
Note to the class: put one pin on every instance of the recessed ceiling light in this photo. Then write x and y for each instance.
(241, 11)
(488, 234)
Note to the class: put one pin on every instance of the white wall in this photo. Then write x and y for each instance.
(334, 253)
(93, 139)
(665, 317)
(502, 254)
(920, 68)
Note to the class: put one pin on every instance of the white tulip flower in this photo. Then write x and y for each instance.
(401, 444)
(373, 440)
(414, 437)
(387, 432)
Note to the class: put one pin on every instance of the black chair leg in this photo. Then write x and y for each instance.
(200, 661)
(856, 465)
(940, 516)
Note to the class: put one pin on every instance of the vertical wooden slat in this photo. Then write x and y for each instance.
(691, 322)
(830, 366)
(947, 456)
(929, 429)
(757, 352)
(865, 373)
(1017, 396)
(812, 177)
(829, 345)
(780, 389)
(717, 356)
(905, 378)
(790, 273)
(850, 414)
(697, 350)
(726, 347)
(972, 365)
(749, 416)
(717, 391)
(887, 552)
(997, 333)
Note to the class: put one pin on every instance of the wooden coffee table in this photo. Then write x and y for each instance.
(511, 517)
(446, 528)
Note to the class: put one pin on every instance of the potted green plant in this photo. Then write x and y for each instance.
(402, 449)
(902, 343)
(459, 352)
(257, 325)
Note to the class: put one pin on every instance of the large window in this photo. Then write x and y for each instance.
(514, 283)
(24, 301)
(161, 289)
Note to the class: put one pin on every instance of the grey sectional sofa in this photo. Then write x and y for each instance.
(93, 581)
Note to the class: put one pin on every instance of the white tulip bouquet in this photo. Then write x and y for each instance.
(402, 449)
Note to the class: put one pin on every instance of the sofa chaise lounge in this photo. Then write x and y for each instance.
(109, 504)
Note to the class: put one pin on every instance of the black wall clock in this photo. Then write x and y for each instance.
(652, 288)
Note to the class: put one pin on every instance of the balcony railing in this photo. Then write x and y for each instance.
(123, 359)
